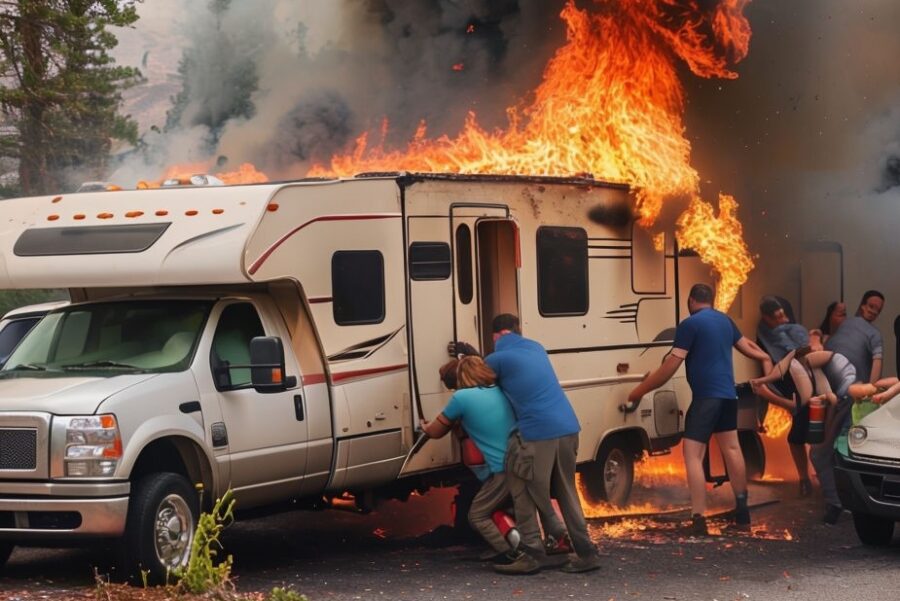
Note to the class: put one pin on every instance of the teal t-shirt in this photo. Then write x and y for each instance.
(487, 417)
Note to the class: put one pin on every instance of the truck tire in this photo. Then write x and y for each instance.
(754, 453)
(609, 478)
(873, 530)
(6, 550)
(162, 517)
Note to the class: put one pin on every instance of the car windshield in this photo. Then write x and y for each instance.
(111, 338)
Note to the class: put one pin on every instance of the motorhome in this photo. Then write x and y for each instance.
(283, 341)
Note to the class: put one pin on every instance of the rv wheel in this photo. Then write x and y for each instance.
(162, 517)
(754, 453)
(609, 478)
(6, 550)
(873, 530)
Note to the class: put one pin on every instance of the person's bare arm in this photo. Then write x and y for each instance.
(766, 394)
(657, 378)
(888, 394)
(750, 349)
(437, 428)
(876, 370)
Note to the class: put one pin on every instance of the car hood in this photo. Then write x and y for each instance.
(63, 396)
(883, 432)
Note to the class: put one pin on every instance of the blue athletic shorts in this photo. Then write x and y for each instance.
(706, 416)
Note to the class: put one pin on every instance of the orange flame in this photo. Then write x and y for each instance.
(245, 174)
(610, 104)
(777, 423)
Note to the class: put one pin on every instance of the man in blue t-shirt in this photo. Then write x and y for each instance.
(703, 342)
(543, 450)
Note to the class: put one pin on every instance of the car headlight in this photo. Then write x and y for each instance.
(857, 435)
(93, 446)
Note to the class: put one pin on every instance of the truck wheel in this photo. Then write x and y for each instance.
(754, 453)
(162, 518)
(609, 478)
(873, 530)
(6, 550)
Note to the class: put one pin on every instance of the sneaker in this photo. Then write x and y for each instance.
(832, 514)
(805, 487)
(698, 525)
(582, 564)
(562, 546)
(519, 563)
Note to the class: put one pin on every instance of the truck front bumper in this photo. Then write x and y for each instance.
(44, 511)
(867, 485)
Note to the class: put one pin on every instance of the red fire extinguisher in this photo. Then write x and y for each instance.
(507, 527)
(816, 432)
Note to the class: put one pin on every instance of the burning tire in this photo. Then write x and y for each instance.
(873, 530)
(754, 453)
(609, 478)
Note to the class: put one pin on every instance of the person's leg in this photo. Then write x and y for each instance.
(778, 371)
(518, 474)
(545, 452)
(567, 496)
(734, 460)
(822, 456)
(693, 464)
(801, 462)
(492, 494)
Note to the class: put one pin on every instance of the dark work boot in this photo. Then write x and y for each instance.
(698, 525)
(741, 512)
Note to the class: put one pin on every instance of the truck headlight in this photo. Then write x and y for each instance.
(857, 435)
(93, 446)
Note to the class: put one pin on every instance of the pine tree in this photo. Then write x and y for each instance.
(61, 91)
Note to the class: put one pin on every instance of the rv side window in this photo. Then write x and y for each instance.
(464, 279)
(357, 287)
(562, 271)
(238, 325)
(429, 260)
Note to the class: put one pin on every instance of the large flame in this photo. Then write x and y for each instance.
(246, 173)
(610, 104)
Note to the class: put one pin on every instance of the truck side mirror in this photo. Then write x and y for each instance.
(267, 373)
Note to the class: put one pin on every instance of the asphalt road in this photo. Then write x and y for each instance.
(395, 553)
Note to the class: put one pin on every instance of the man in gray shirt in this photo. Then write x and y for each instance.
(859, 341)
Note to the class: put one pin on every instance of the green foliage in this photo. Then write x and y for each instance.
(11, 299)
(285, 594)
(62, 89)
(203, 574)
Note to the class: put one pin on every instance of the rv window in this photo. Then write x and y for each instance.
(357, 287)
(464, 280)
(429, 260)
(89, 240)
(562, 271)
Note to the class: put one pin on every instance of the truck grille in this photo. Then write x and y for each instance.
(18, 449)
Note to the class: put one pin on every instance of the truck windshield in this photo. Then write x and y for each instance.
(107, 339)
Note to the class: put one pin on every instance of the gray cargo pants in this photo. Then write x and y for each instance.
(533, 469)
(493, 493)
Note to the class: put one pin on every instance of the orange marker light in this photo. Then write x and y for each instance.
(190, 213)
(52, 217)
(105, 216)
(78, 216)
(218, 211)
(272, 207)
(56, 199)
(276, 376)
(162, 213)
(134, 213)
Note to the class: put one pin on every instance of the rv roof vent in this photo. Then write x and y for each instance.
(195, 180)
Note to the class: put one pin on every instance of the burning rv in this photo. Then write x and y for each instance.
(283, 340)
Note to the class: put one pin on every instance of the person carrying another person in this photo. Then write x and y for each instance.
(860, 341)
(484, 412)
(825, 376)
(704, 342)
(542, 452)
(772, 316)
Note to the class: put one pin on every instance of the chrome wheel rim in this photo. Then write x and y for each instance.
(172, 532)
(612, 473)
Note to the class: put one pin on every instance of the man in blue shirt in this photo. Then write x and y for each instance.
(704, 342)
(543, 450)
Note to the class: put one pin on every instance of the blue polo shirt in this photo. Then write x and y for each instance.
(526, 376)
(708, 337)
(487, 418)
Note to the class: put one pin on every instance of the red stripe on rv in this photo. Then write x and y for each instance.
(319, 299)
(262, 258)
(346, 375)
